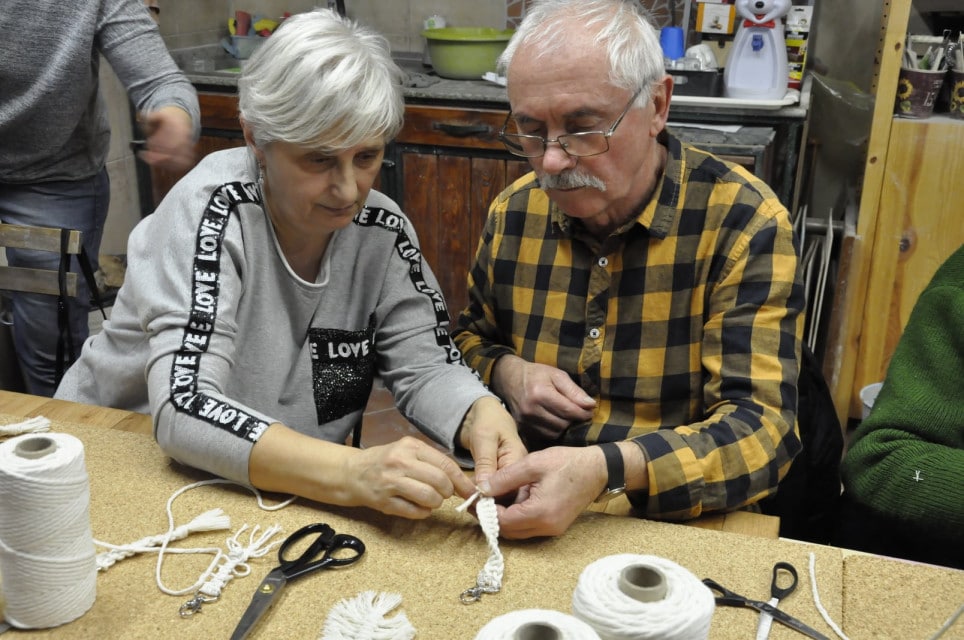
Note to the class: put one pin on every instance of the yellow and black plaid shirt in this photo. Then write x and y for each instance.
(684, 325)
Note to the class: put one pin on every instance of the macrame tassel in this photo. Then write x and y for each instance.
(363, 618)
(212, 520)
(33, 425)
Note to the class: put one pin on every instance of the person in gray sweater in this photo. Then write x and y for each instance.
(272, 285)
(54, 139)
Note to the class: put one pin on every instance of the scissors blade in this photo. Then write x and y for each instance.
(268, 591)
(766, 621)
(786, 619)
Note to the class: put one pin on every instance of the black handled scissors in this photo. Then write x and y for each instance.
(727, 598)
(777, 593)
(320, 554)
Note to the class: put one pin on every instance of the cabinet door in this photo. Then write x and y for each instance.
(451, 167)
(220, 129)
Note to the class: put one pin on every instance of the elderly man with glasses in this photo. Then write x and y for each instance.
(635, 301)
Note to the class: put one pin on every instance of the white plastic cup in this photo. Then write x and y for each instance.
(868, 395)
(434, 21)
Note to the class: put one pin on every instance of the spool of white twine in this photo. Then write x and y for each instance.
(47, 555)
(642, 597)
(536, 624)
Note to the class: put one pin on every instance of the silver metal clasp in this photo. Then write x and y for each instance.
(193, 605)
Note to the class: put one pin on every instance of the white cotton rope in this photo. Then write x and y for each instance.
(213, 520)
(33, 425)
(46, 545)
(536, 624)
(685, 611)
(364, 617)
(253, 549)
(816, 599)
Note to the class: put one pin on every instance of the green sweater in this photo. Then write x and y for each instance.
(906, 460)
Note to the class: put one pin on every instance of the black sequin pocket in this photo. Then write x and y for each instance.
(343, 370)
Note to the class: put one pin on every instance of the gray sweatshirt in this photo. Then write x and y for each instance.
(214, 334)
(53, 121)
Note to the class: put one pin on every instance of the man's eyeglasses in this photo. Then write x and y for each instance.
(577, 145)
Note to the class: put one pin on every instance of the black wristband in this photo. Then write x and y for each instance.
(616, 485)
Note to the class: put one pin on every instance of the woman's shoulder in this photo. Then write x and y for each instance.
(230, 171)
(220, 182)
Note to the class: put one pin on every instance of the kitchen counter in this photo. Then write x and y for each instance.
(211, 68)
(208, 68)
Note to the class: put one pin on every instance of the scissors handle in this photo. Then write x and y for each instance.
(723, 595)
(320, 553)
(776, 591)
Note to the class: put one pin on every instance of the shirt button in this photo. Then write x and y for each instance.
(603, 262)
(594, 333)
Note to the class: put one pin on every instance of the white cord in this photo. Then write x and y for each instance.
(212, 520)
(218, 554)
(949, 623)
(816, 598)
(235, 561)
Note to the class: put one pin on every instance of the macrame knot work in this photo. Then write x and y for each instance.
(489, 579)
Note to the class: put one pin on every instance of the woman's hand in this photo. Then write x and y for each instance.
(406, 478)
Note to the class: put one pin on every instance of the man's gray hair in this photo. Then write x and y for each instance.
(624, 27)
(324, 81)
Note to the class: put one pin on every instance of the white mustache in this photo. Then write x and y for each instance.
(571, 180)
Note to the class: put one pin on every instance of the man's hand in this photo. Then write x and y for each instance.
(170, 139)
(553, 487)
(490, 433)
(540, 397)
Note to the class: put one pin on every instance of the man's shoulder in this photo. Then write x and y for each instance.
(521, 187)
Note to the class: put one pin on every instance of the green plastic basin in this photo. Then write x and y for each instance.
(465, 53)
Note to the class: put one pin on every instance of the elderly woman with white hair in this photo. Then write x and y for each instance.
(273, 284)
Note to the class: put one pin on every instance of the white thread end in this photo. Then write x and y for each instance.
(213, 520)
(468, 502)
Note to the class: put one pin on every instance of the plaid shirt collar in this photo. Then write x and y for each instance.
(658, 215)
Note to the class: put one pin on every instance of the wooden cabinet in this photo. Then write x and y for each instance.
(220, 129)
(448, 167)
(909, 222)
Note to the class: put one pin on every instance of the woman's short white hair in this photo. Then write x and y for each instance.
(624, 27)
(323, 81)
